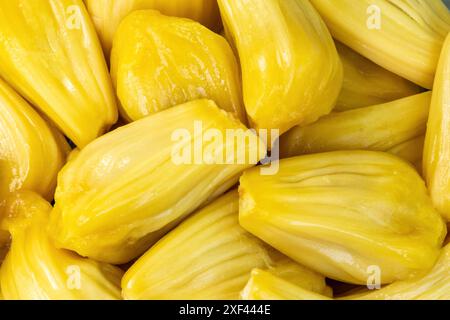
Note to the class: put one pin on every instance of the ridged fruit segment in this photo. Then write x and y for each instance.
(286, 53)
(339, 213)
(436, 159)
(50, 53)
(125, 190)
(31, 151)
(34, 269)
(402, 36)
(158, 62)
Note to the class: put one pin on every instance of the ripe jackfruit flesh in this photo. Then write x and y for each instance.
(339, 213)
(107, 14)
(266, 286)
(34, 269)
(159, 61)
(50, 54)
(367, 84)
(209, 256)
(402, 36)
(286, 53)
(31, 151)
(125, 190)
(378, 128)
(434, 285)
(436, 158)
(411, 151)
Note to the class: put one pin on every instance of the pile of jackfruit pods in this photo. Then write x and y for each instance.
(344, 187)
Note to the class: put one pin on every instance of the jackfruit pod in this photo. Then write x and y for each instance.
(339, 213)
(188, 62)
(209, 256)
(299, 275)
(31, 151)
(55, 61)
(367, 84)
(411, 151)
(107, 14)
(378, 128)
(266, 286)
(402, 36)
(34, 269)
(126, 189)
(436, 159)
(291, 71)
(435, 285)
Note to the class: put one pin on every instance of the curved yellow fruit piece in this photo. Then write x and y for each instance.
(217, 257)
(435, 285)
(266, 286)
(289, 270)
(341, 213)
(291, 71)
(159, 62)
(31, 151)
(411, 151)
(125, 190)
(107, 14)
(378, 128)
(34, 269)
(367, 84)
(436, 159)
(54, 59)
(402, 36)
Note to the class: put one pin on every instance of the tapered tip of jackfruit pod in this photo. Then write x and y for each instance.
(291, 212)
(22, 208)
(265, 286)
(432, 285)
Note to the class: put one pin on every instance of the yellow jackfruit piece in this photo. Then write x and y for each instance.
(125, 190)
(49, 53)
(378, 128)
(291, 71)
(411, 151)
(107, 14)
(435, 285)
(367, 84)
(402, 36)
(31, 151)
(34, 269)
(299, 275)
(209, 256)
(266, 286)
(436, 159)
(159, 61)
(341, 213)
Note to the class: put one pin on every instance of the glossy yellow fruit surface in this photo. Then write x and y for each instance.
(159, 62)
(367, 84)
(402, 36)
(35, 269)
(286, 54)
(340, 213)
(31, 151)
(107, 14)
(378, 128)
(436, 159)
(209, 256)
(50, 53)
(125, 190)
(435, 285)
(266, 286)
